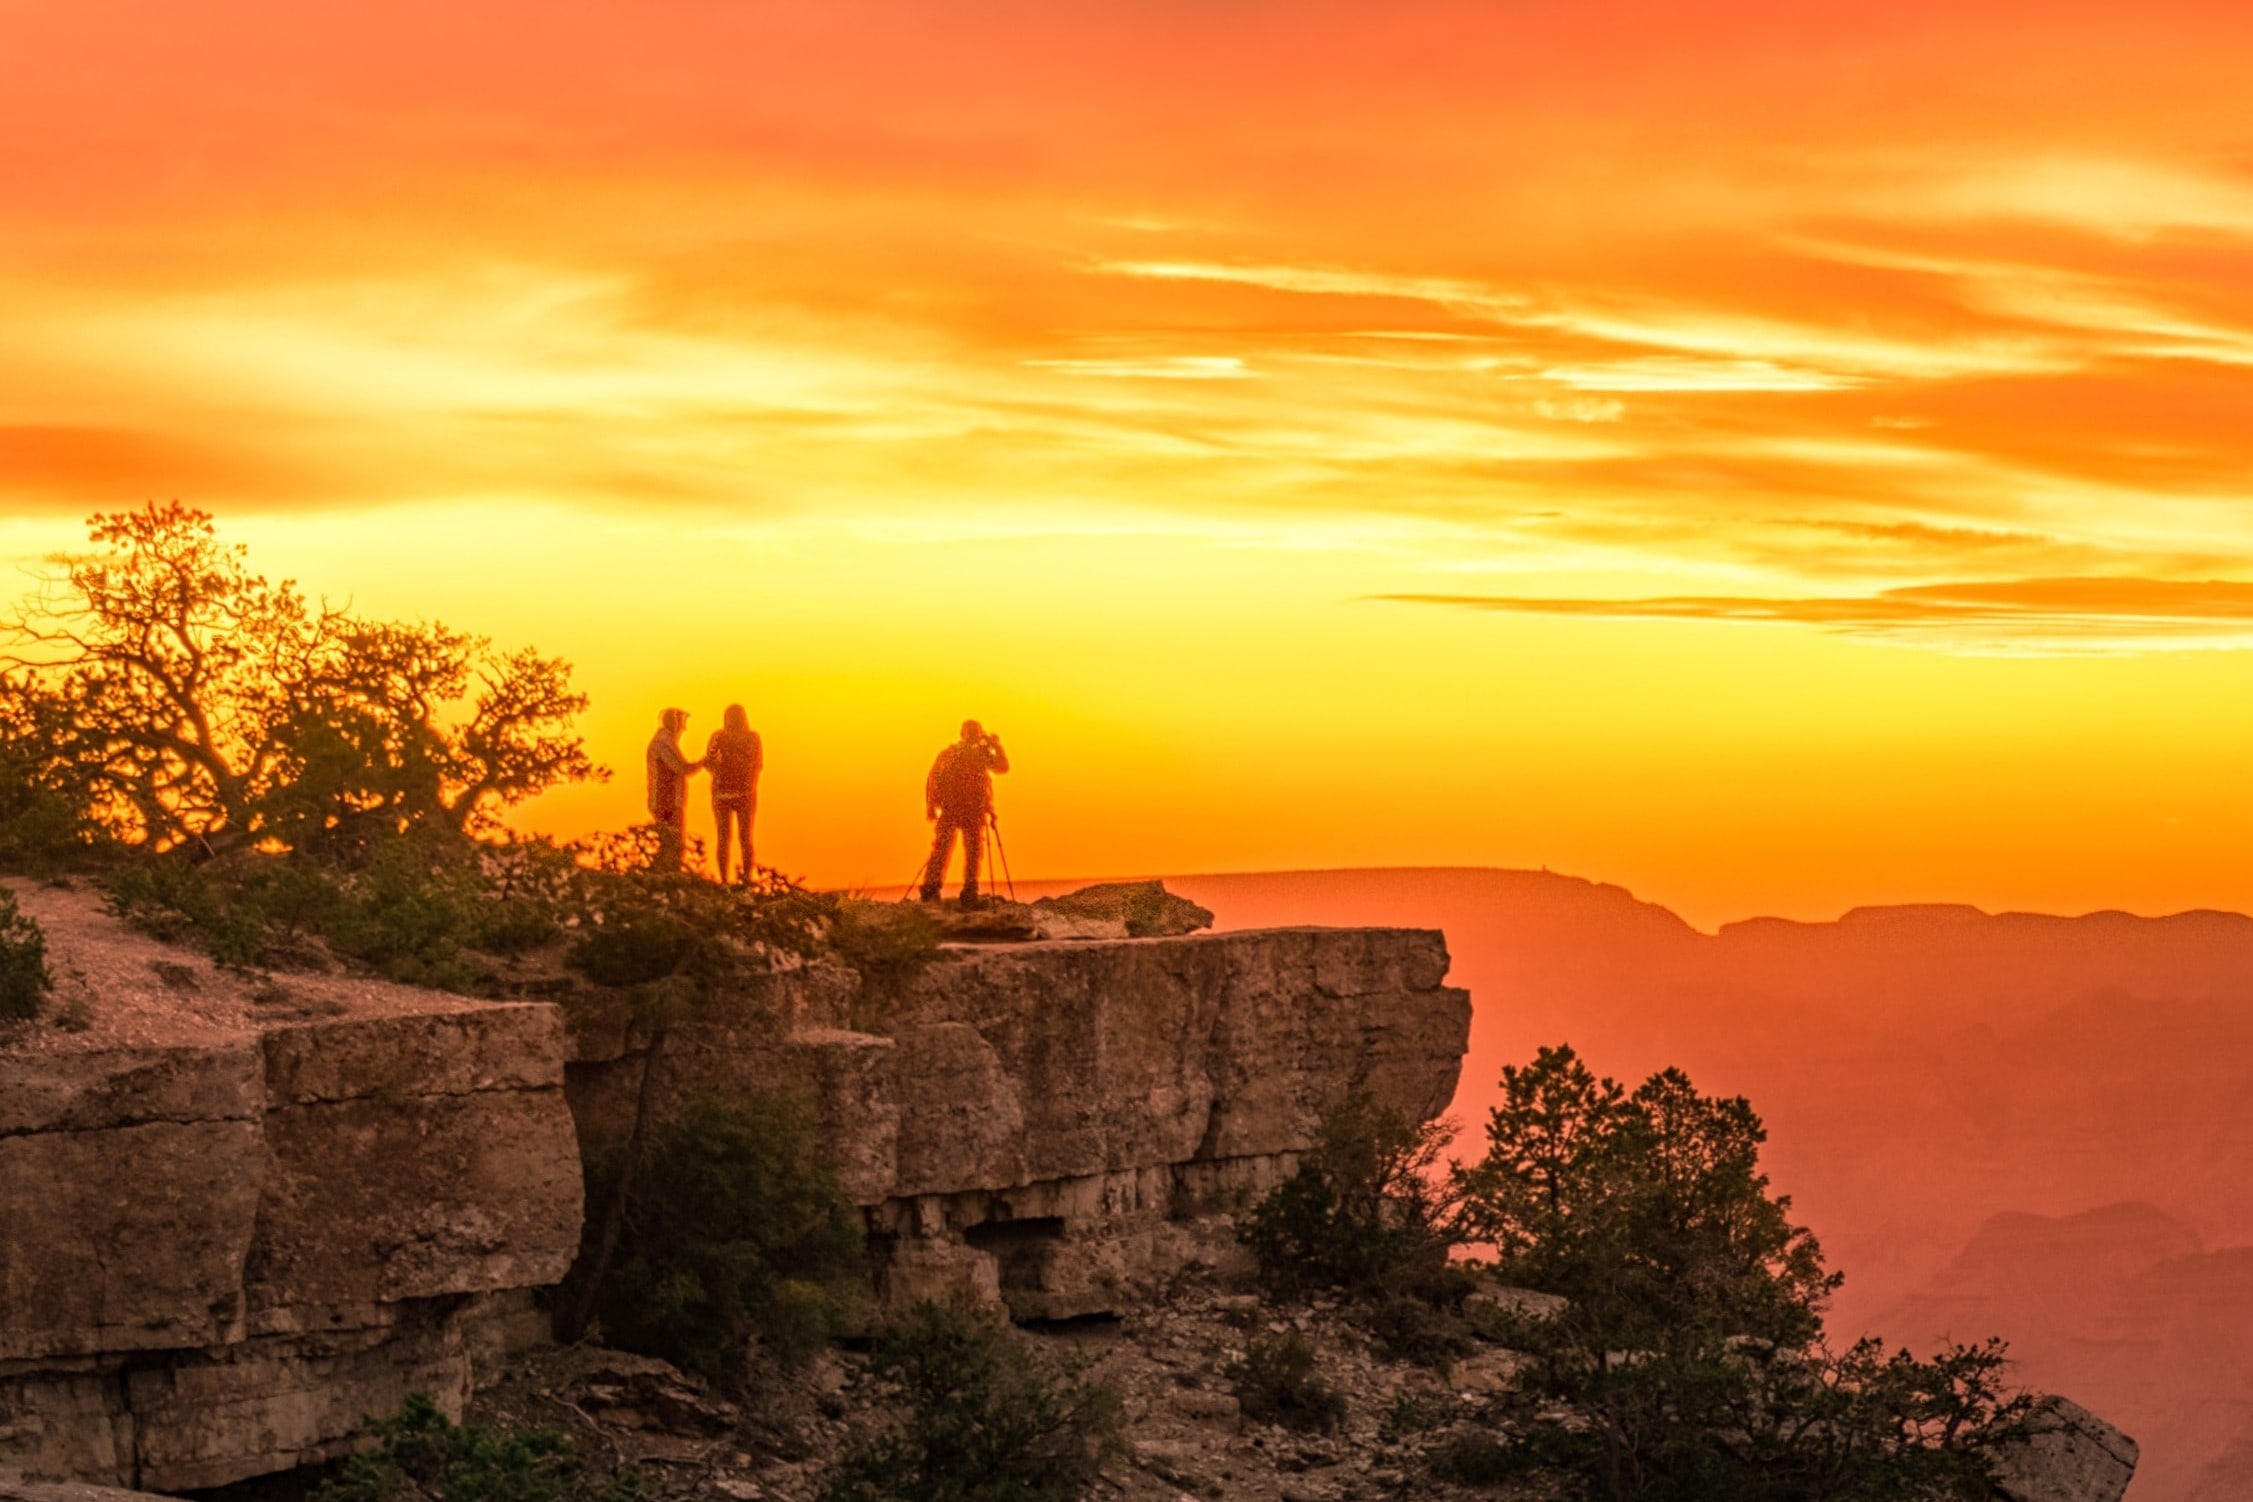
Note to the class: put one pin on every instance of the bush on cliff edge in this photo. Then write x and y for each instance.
(1371, 1214)
(1367, 1213)
(24, 978)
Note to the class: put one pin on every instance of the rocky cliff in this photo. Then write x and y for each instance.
(1051, 1125)
(238, 1215)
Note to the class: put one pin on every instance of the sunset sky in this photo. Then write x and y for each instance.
(1772, 456)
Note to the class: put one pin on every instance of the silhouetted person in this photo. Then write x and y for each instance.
(958, 795)
(668, 787)
(734, 757)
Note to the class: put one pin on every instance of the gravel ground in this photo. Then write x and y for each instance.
(116, 987)
(1187, 1438)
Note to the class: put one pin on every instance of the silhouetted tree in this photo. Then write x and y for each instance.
(1689, 1354)
(188, 699)
(50, 774)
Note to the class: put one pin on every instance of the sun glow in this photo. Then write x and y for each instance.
(1775, 462)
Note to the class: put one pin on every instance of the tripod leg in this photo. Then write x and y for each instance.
(1002, 851)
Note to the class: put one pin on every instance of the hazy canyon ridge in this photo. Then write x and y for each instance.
(2011, 1124)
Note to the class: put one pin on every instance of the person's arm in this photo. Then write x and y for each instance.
(996, 758)
(758, 756)
(931, 788)
(674, 761)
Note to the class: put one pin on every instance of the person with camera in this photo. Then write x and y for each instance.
(958, 798)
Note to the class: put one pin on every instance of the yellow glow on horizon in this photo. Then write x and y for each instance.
(1823, 439)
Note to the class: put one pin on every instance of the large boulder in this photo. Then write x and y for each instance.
(2068, 1454)
(1134, 909)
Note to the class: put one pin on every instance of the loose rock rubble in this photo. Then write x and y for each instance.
(1186, 1433)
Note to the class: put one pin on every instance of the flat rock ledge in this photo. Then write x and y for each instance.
(237, 1217)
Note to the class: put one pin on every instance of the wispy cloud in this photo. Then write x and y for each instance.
(2009, 615)
(1679, 373)
(1158, 368)
(1473, 298)
(2114, 197)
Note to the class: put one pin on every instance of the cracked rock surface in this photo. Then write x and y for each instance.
(239, 1214)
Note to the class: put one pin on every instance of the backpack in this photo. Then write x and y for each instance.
(959, 778)
(733, 762)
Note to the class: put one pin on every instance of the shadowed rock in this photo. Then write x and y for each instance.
(2068, 1455)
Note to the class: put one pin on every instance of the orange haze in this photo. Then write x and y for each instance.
(1777, 456)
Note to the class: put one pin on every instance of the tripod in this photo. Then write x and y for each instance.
(993, 826)
(992, 834)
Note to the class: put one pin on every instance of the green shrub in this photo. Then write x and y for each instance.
(1276, 1382)
(1477, 1458)
(24, 979)
(423, 1457)
(1368, 1212)
(639, 923)
(177, 900)
(981, 1423)
(734, 1229)
(527, 891)
(408, 911)
(635, 948)
(419, 908)
(1425, 1330)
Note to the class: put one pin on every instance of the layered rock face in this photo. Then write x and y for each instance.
(238, 1218)
(1046, 1126)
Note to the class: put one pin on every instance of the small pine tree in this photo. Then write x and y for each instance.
(1688, 1363)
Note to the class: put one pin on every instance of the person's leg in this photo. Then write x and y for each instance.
(672, 839)
(723, 832)
(750, 811)
(973, 845)
(935, 869)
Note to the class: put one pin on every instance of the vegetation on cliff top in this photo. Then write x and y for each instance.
(284, 782)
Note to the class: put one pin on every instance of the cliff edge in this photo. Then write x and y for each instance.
(239, 1215)
(1052, 1125)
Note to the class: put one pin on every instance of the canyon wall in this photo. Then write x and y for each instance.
(1049, 1126)
(239, 1215)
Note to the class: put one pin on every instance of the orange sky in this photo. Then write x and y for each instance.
(1771, 456)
